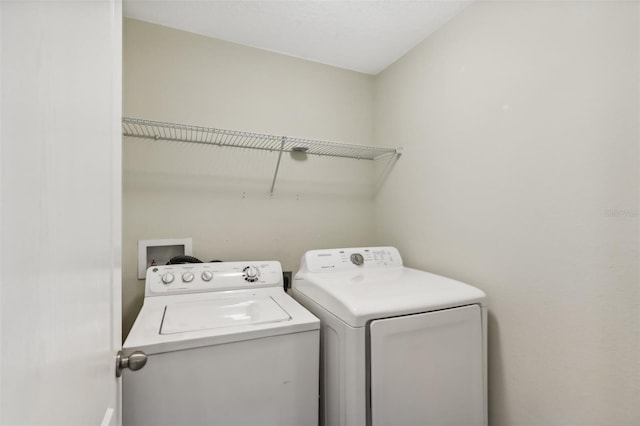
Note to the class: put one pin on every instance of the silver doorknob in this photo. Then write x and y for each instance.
(135, 361)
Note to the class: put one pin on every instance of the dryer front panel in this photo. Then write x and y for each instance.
(427, 369)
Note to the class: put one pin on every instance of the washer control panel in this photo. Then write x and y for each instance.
(214, 276)
(348, 259)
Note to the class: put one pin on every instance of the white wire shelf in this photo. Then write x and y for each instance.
(158, 130)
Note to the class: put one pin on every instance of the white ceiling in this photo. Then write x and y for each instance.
(360, 35)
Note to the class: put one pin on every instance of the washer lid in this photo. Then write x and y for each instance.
(212, 314)
(185, 321)
(359, 296)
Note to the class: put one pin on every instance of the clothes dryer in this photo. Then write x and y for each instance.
(399, 346)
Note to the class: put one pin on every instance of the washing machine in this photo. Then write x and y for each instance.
(225, 345)
(399, 346)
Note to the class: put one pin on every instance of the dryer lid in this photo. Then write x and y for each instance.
(360, 296)
(220, 313)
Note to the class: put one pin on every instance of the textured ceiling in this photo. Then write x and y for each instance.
(360, 35)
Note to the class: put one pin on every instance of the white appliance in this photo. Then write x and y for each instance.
(399, 346)
(225, 345)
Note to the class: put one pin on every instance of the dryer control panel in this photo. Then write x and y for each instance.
(349, 259)
(214, 276)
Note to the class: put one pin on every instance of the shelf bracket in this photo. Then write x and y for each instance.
(275, 174)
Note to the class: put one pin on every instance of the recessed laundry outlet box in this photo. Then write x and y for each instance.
(158, 252)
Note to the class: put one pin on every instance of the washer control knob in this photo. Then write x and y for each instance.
(206, 276)
(167, 278)
(251, 273)
(187, 277)
(357, 259)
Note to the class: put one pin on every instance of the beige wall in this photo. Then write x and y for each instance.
(520, 127)
(520, 176)
(220, 197)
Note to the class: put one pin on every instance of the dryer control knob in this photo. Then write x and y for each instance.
(357, 259)
(187, 277)
(167, 278)
(206, 276)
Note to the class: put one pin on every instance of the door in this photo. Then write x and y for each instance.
(60, 201)
(427, 369)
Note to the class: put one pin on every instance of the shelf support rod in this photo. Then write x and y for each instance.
(275, 174)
